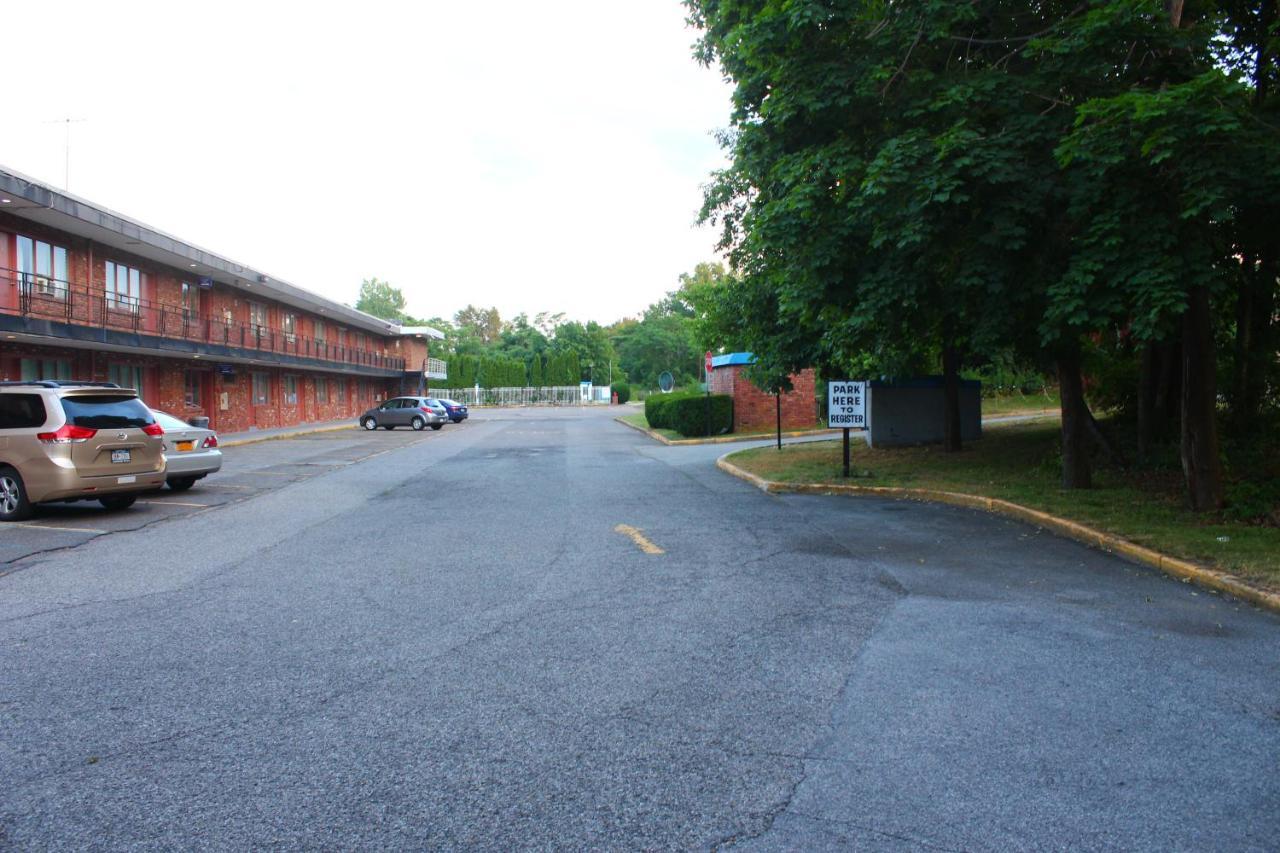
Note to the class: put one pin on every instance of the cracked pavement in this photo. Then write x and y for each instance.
(444, 643)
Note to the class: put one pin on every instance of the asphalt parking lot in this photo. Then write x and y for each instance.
(247, 471)
(543, 630)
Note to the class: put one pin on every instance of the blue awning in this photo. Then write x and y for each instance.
(732, 359)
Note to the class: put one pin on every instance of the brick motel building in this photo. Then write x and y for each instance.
(86, 293)
(754, 409)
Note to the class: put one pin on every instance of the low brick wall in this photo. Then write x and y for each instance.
(754, 409)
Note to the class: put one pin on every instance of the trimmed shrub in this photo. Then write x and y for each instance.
(623, 390)
(658, 407)
(688, 415)
(653, 405)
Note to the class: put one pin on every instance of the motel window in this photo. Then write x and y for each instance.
(124, 286)
(261, 389)
(291, 390)
(258, 317)
(45, 368)
(126, 376)
(190, 301)
(42, 266)
(340, 390)
(319, 331)
(322, 390)
(191, 392)
(289, 323)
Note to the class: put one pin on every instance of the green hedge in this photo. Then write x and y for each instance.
(623, 390)
(687, 413)
(656, 407)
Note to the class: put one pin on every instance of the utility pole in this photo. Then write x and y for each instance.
(66, 149)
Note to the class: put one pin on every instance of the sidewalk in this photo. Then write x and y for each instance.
(234, 439)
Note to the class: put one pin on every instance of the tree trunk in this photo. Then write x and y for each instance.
(1254, 347)
(1242, 365)
(951, 441)
(1168, 388)
(1146, 401)
(1076, 470)
(1201, 465)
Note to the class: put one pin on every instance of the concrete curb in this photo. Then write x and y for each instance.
(255, 439)
(721, 439)
(1182, 569)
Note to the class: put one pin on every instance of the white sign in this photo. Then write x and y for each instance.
(847, 405)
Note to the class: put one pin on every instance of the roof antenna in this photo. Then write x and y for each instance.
(66, 149)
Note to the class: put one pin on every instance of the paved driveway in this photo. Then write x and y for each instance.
(542, 630)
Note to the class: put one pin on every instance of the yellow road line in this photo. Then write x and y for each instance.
(639, 538)
(61, 529)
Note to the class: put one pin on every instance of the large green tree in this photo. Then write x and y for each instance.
(381, 299)
(926, 179)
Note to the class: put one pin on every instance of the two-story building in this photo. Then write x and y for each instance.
(86, 293)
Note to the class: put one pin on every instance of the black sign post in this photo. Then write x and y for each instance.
(779, 399)
(846, 451)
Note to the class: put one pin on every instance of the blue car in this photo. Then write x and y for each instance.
(456, 411)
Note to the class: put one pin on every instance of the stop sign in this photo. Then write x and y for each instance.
(708, 364)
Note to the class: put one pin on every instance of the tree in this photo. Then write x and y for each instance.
(591, 344)
(381, 299)
(482, 324)
(929, 179)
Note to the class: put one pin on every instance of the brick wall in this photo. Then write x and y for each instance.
(86, 267)
(754, 409)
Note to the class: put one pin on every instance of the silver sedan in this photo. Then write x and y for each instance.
(190, 452)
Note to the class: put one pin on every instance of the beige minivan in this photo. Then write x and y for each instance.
(71, 441)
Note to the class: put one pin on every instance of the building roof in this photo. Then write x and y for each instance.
(422, 332)
(30, 199)
(732, 359)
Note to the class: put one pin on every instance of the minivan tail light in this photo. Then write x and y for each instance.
(153, 429)
(211, 441)
(67, 434)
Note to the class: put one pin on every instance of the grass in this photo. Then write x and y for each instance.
(1019, 463)
(1020, 404)
(638, 419)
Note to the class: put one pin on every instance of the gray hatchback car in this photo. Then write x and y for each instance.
(415, 412)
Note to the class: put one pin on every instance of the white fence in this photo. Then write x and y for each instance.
(563, 395)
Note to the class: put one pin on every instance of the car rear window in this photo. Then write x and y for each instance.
(170, 423)
(106, 411)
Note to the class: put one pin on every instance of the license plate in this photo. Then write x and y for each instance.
(186, 445)
(121, 456)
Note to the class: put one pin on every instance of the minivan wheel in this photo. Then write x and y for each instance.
(114, 502)
(370, 424)
(418, 424)
(436, 426)
(14, 505)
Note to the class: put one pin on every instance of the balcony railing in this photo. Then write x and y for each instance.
(28, 295)
(436, 369)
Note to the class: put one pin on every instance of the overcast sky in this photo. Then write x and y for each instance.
(532, 156)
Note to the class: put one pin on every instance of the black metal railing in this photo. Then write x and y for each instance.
(29, 295)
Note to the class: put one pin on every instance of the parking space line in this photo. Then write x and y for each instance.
(226, 486)
(36, 526)
(175, 503)
(642, 542)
